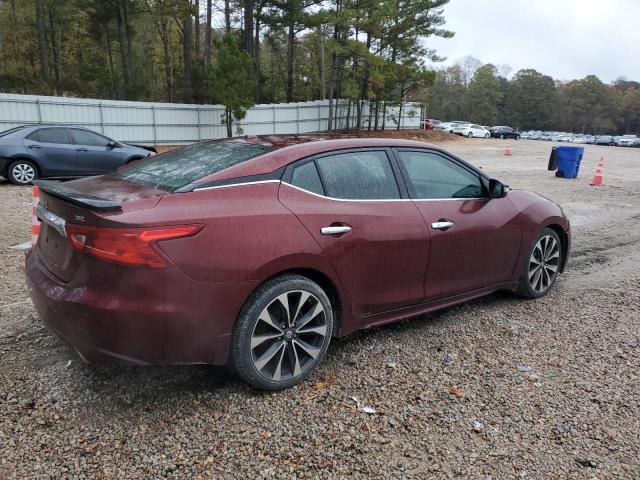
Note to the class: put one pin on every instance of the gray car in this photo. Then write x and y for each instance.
(38, 151)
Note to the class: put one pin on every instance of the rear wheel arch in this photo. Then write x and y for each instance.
(323, 280)
(27, 159)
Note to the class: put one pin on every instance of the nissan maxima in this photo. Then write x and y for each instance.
(254, 252)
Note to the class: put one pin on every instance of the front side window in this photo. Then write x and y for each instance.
(433, 176)
(51, 135)
(364, 175)
(84, 137)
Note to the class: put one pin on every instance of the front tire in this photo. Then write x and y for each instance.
(469, 135)
(22, 172)
(541, 268)
(501, 136)
(282, 333)
(486, 135)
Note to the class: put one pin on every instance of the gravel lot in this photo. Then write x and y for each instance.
(498, 388)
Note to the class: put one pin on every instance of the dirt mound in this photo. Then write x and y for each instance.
(431, 136)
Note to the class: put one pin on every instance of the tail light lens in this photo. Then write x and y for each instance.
(132, 246)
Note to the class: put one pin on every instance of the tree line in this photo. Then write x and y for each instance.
(242, 52)
(234, 52)
(530, 100)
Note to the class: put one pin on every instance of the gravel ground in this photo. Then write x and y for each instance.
(497, 388)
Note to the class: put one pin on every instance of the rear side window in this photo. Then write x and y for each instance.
(178, 168)
(84, 137)
(433, 176)
(306, 177)
(358, 176)
(50, 135)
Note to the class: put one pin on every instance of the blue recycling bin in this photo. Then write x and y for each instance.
(566, 160)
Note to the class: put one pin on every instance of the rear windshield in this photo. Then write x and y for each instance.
(11, 130)
(178, 168)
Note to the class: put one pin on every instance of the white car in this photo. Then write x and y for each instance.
(627, 141)
(471, 130)
(448, 126)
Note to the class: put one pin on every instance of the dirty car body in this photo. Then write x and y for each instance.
(155, 265)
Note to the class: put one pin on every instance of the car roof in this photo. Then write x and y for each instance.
(289, 148)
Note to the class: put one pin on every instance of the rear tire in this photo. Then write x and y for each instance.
(541, 267)
(22, 172)
(282, 333)
(501, 136)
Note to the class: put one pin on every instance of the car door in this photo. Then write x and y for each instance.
(94, 155)
(52, 149)
(354, 207)
(475, 240)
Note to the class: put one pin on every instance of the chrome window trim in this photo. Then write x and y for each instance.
(235, 185)
(382, 199)
(340, 199)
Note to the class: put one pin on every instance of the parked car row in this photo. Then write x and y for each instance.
(620, 141)
(29, 152)
(468, 129)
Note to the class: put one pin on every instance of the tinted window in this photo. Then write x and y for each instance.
(52, 135)
(306, 177)
(358, 175)
(434, 176)
(178, 168)
(84, 137)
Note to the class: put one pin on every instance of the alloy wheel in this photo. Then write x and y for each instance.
(543, 264)
(23, 173)
(288, 336)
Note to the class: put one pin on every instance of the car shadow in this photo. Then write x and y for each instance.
(157, 385)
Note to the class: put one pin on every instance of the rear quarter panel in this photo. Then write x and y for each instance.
(248, 235)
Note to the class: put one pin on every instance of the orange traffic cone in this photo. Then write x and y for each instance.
(598, 179)
(35, 223)
(507, 151)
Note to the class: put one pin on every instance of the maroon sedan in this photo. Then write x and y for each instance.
(254, 252)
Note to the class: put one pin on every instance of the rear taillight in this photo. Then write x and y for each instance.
(131, 246)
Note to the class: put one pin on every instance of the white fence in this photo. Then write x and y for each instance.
(172, 123)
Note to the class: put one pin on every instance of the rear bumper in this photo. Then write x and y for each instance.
(137, 316)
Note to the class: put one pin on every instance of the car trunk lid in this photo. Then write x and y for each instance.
(91, 201)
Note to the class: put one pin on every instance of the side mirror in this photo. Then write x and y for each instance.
(497, 189)
(113, 144)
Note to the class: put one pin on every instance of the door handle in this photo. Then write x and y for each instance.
(81, 149)
(33, 146)
(335, 230)
(442, 224)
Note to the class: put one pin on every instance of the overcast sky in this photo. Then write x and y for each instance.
(566, 39)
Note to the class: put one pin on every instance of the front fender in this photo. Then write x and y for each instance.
(537, 213)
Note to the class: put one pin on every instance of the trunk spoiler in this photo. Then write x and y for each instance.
(60, 190)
